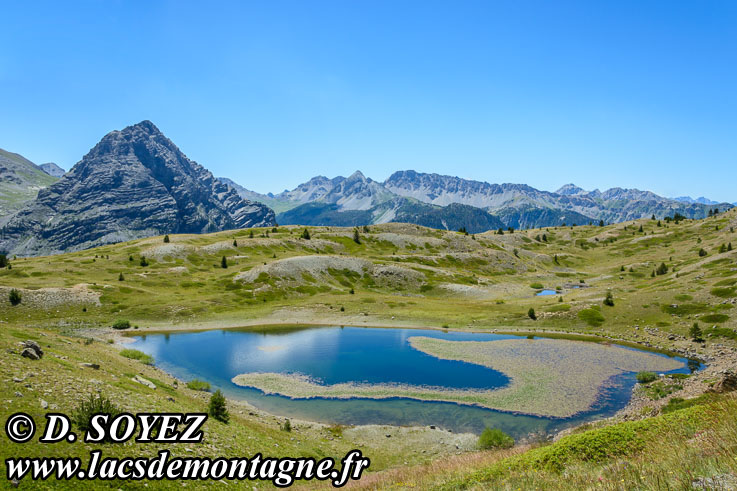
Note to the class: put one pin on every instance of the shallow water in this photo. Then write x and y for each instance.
(543, 293)
(352, 354)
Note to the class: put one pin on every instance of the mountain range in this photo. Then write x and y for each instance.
(137, 183)
(134, 183)
(412, 196)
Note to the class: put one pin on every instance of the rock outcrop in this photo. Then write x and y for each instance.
(134, 183)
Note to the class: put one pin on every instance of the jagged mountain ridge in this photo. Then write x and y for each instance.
(134, 183)
(516, 205)
(612, 205)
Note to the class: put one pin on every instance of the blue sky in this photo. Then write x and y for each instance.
(270, 93)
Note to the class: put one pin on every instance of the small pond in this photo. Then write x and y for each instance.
(340, 355)
(544, 293)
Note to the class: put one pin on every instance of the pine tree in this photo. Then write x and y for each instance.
(224, 262)
(250, 234)
(601, 223)
(722, 249)
(143, 261)
(702, 252)
(356, 236)
(640, 229)
(531, 314)
(545, 238)
(662, 269)
(218, 408)
(306, 234)
(695, 332)
(729, 246)
(166, 239)
(235, 243)
(121, 277)
(3, 261)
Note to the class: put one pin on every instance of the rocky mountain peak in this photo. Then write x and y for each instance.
(569, 190)
(52, 169)
(134, 183)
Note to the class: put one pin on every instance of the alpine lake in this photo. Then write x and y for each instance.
(459, 381)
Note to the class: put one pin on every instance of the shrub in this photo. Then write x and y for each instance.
(287, 426)
(717, 318)
(143, 261)
(609, 299)
(646, 377)
(494, 438)
(702, 252)
(14, 297)
(121, 324)
(217, 408)
(4, 261)
(82, 415)
(198, 385)
(536, 286)
(134, 354)
(531, 314)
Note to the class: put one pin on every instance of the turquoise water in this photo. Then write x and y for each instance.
(353, 354)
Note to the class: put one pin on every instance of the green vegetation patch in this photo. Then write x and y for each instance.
(135, 354)
(591, 317)
(717, 318)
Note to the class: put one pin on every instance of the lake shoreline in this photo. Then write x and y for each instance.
(633, 409)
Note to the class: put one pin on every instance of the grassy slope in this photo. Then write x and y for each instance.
(204, 294)
(13, 195)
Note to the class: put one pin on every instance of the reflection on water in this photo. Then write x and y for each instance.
(351, 354)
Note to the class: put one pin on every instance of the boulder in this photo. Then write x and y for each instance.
(727, 383)
(144, 381)
(33, 345)
(30, 353)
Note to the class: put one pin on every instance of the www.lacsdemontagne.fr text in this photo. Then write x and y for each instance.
(282, 472)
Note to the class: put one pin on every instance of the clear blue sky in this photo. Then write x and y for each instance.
(270, 93)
